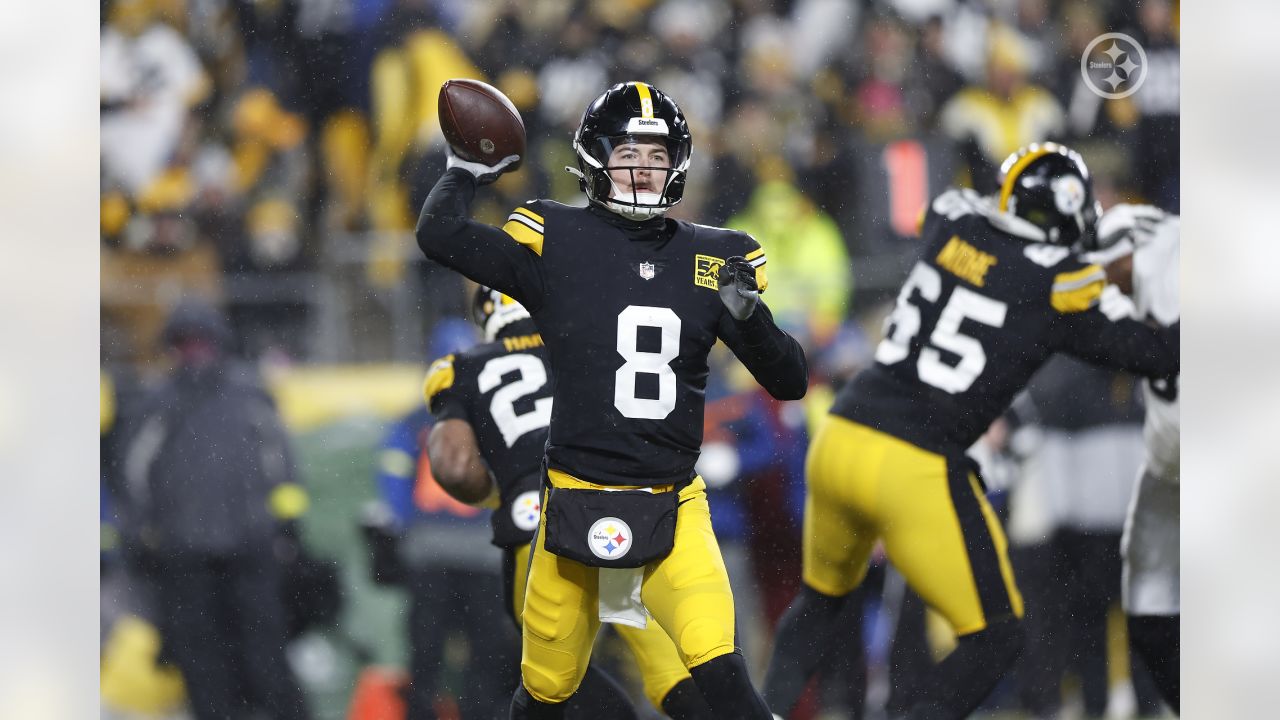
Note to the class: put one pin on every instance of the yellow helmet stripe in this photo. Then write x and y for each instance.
(1006, 189)
(646, 99)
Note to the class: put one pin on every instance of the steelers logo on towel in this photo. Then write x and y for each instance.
(609, 538)
(525, 509)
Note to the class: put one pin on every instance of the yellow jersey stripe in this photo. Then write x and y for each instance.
(1078, 300)
(646, 100)
(439, 378)
(525, 220)
(1078, 278)
(758, 252)
(529, 214)
(524, 235)
(1006, 189)
(762, 278)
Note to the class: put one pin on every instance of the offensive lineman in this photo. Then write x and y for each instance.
(493, 405)
(997, 290)
(629, 304)
(1143, 245)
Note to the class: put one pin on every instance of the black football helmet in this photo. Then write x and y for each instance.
(1049, 186)
(628, 112)
(492, 311)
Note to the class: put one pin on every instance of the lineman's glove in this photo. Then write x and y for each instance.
(484, 174)
(1135, 223)
(738, 290)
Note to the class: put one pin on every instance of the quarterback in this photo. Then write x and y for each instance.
(492, 405)
(629, 304)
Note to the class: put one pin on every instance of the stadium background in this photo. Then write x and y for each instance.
(305, 139)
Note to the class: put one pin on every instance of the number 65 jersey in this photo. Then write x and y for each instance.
(629, 313)
(979, 313)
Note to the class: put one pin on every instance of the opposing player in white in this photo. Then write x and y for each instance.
(1139, 245)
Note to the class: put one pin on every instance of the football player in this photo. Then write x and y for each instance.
(493, 405)
(629, 303)
(997, 291)
(1141, 248)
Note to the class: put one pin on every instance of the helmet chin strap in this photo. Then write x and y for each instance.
(642, 205)
(645, 207)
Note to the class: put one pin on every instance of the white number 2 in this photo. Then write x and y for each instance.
(533, 375)
(630, 321)
(963, 304)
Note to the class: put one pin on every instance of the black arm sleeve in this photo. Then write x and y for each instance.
(481, 252)
(774, 358)
(1128, 344)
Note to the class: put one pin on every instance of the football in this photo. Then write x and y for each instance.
(480, 123)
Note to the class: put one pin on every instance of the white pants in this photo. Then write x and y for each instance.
(1150, 580)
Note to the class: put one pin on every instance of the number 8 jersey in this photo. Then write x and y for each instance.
(979, 313)
(629, 313)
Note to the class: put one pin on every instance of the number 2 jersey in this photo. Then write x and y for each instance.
(979, 313)
(629, 312)
(503, 391)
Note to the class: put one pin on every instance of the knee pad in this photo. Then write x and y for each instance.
(545, 686)
(703, 639)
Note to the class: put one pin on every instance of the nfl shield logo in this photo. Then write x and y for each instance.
(646, 270)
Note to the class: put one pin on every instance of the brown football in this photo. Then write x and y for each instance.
(480, 123)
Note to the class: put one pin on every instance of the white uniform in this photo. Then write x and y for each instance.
(1150, 542)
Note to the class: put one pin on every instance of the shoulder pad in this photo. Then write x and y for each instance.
(439, 378)
(525, 225)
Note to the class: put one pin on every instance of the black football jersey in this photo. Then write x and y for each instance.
(628, 319)
(979, 313)
(503, 390)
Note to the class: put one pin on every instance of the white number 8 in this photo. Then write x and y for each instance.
(624, 387)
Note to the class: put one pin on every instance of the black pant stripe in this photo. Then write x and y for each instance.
(979, 545)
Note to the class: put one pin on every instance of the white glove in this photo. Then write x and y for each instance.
(484, 174)
(1135, 223)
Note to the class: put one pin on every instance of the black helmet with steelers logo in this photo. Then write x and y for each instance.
(492, 311)
(626, 113)
(1049, 186)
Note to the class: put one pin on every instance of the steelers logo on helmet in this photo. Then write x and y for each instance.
(609, 538)
(492, 311)
(1068, 194)
(619, 166)
(526, 510)
(1048, 186)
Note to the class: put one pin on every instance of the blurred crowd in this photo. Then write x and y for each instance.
(270, 156)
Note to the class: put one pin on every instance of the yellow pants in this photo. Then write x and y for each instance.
(938, 529)
(687, 593)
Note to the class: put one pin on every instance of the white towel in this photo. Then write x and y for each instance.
(620, 601)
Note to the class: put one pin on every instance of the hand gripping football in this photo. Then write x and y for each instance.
(480, 123)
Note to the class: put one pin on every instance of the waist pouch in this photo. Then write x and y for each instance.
(611, 528)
